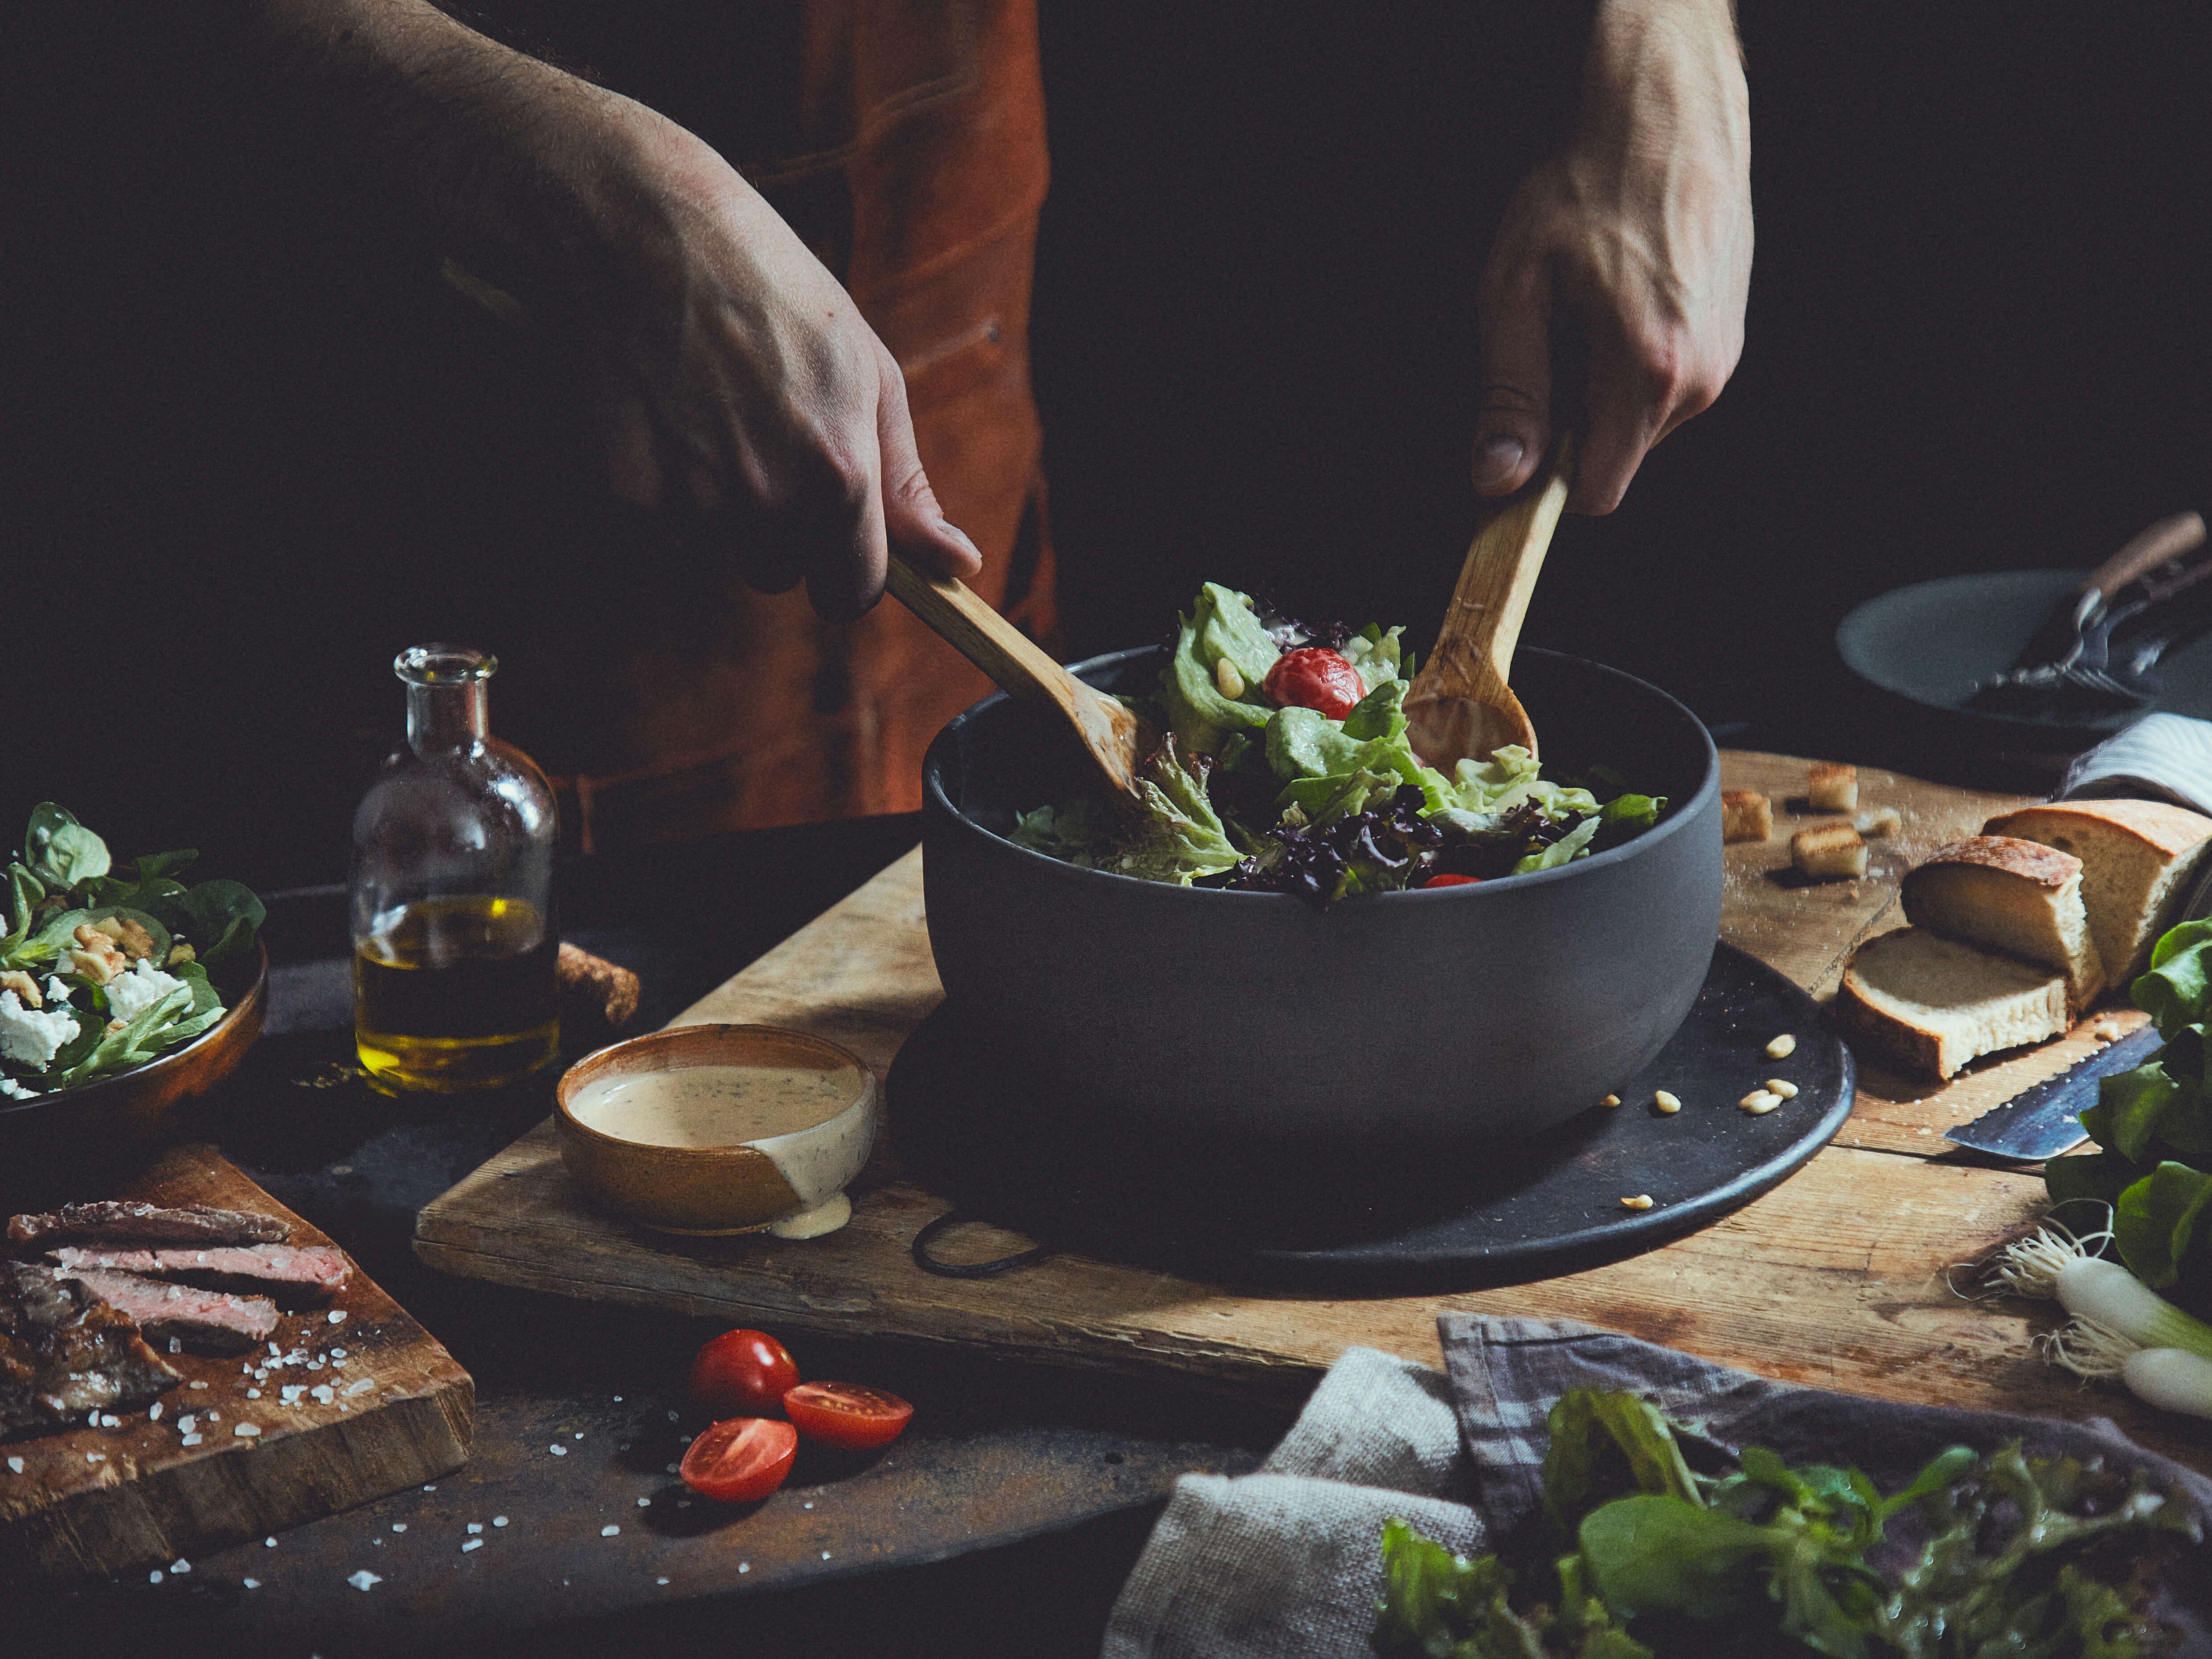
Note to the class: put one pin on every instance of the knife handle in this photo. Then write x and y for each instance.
(2169, 538)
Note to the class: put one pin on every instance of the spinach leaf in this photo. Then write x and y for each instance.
(1606, 1442)
(225, 915)
(151, 865)
(139, 1040)
(60, 851)
(2155, 1221)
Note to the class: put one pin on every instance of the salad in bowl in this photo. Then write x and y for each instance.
(1284, 765)
(106, 966)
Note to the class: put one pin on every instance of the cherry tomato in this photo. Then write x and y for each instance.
(742, 1374)
(1313, 676)
(1451, 881)
(740, 1459)
(846, 1415)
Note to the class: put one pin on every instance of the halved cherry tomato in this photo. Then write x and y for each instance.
(846, 1415)
(1451, 881)
(1313, 676)
(740, 1459)
(742, 1374)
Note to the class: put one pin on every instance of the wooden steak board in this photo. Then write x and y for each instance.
(113, 1500)
(1840, 1277)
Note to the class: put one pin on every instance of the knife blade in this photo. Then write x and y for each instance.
(2045, 1121)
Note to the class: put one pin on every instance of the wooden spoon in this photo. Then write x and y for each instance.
(1460, 705)
(1107, 730)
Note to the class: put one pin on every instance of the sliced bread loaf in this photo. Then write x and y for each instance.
(2014, 896)
(1931, 1004)
(2137, 858)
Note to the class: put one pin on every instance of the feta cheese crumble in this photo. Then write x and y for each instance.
(29, 1037)
(132, 993)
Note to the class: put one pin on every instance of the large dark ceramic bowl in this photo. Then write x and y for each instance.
(1399, 1025)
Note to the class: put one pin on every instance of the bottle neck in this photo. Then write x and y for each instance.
(441, 718)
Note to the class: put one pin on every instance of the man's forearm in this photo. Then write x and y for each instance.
(503, 153)
(1658, 69)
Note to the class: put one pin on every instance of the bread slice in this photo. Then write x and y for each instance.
(1833, 786)
(1829, 852)
(2014, 896)
(1932, 1004)
(1745, 815)
(2138, 857)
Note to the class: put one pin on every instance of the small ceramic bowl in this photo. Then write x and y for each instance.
(792, 1185)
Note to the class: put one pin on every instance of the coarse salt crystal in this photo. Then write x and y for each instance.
(660, 1581)
(673, 1418)
(14, 1465)
(362, 1386)
(180, 1565)
(337, 1316)
(215, 1417)
(608, 1532)
(251, 1583)
(109, 1420)
(276, 1352)
(476, 1527)
(93, 1421)
(363, 1579)
(337, 1353)
(154, 1412)
(253, 1394)
(95, 1457)
(825, 1555)
(154, 1577)
(645, 1503)
(499, 1520)
(672, 1469)
(618, 1400)
(269, 1543)
(745, 1566)
(473, 1544)
(196, 1383)
(247, 1430)
(184, 1423)
(399, 1526)
(323, 1392)
(558, 1451)
(429, 1489)
(190, 1440)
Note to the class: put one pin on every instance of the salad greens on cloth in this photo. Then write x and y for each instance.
(1286, 767)
(2153, 1126)
(101, 970)
(2019, 1555)
(1563, 1491)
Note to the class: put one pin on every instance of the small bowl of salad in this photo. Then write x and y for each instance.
(125, 988)
(1304, 936)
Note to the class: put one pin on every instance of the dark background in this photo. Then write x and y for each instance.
(250, 446)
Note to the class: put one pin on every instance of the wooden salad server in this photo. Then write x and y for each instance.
(1460, 705)
(1106, 728)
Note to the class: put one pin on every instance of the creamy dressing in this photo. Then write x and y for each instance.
(713, 1105)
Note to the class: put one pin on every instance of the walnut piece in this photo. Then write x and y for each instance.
(23, 985)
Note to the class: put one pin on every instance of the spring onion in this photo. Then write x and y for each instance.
(2173, 1379)
(2120, 1326)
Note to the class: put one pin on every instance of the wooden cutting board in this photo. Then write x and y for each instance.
(1840, 1277)
(134, 1497)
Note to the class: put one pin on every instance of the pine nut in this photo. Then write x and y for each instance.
(1775, 1085)
(1226, 677)
(1759, 1103)
(1610, 1100)
(1641, 1201)
(2108, 1032)
(1666, 1104)
(1782, 1048)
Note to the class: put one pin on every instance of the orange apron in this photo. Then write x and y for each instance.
(920, 184)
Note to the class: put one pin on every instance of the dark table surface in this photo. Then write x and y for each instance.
(1003, 1522)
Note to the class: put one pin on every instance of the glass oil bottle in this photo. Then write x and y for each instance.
(454, 943)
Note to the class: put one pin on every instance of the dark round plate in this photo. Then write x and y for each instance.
(1935, 641)
(997, 1147)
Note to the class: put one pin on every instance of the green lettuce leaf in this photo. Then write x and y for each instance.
(1507, 778)
(2179, 986)
(1378, 657)
(1569, 848)
(1177, 836)
(2155, 1221)
(1221, 623)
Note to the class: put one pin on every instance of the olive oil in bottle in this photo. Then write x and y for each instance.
(456, 994)
(454, 946)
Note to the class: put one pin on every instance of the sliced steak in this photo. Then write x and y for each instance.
(64, 1352)
(317, 1269)
(213, 1320)
(110, 1222)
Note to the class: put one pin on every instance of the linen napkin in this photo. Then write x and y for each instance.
(2163, 756)
(1286, 1561)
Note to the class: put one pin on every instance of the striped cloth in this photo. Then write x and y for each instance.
(2163, 756)
(1286, 1561)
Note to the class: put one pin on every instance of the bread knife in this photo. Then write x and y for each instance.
(2045, 1121)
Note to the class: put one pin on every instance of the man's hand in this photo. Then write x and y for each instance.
(1625, 260)
(736, 377)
